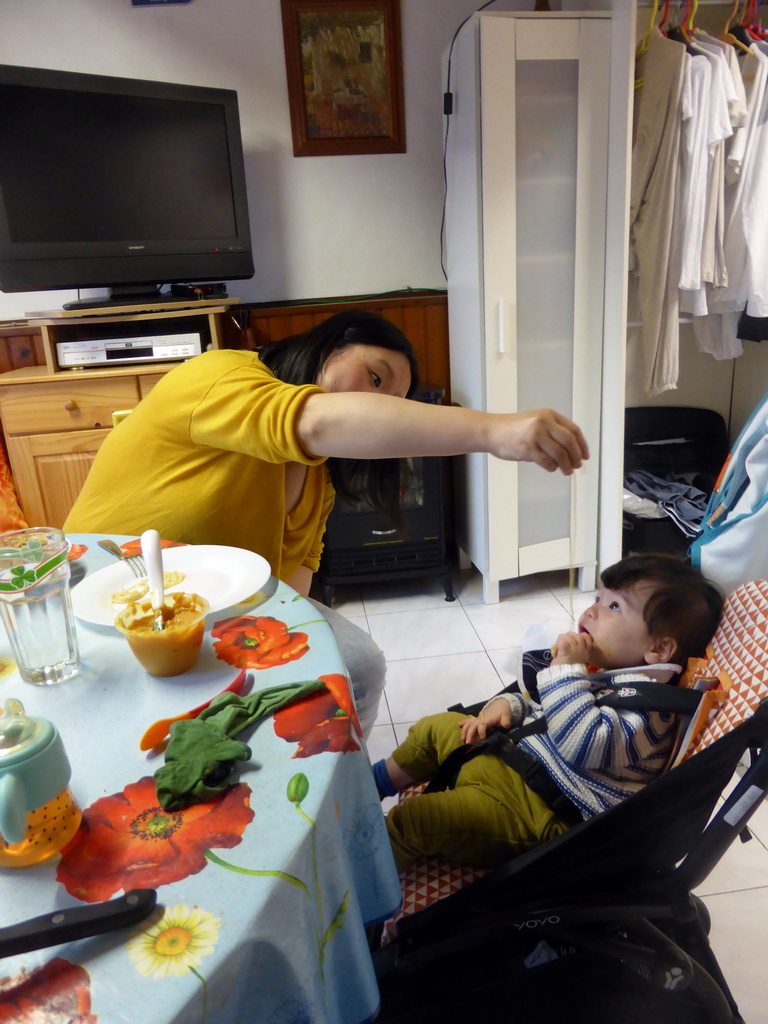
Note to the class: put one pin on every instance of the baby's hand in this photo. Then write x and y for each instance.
(498, 714)
(575, 649)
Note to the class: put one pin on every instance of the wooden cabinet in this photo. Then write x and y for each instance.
(525, 229)
(55, 420)
(50, 469)
(54, 423)
(73, 403)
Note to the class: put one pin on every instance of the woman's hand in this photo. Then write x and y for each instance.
(498, 714)
(542, 436)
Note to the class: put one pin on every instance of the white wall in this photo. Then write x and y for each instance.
(321, 226)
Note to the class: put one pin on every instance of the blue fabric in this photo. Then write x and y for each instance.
(382, 780)
(730, 550)
(685, 505)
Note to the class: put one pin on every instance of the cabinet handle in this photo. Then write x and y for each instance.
(71, 405)
(383, 533)
(501, 334)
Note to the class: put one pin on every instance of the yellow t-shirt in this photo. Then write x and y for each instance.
(202, 460)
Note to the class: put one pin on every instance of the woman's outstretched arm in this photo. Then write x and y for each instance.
(358, 425)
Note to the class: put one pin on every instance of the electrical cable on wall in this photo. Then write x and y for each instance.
(447, 111)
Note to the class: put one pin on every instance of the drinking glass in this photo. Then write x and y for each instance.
(35, 604)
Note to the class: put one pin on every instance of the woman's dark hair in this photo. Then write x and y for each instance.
(684, 605)
(299, 360)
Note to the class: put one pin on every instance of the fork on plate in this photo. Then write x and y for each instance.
(135, 562)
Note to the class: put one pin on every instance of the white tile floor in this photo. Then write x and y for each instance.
(440, 652)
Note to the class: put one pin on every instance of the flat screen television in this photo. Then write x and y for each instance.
(119, 183)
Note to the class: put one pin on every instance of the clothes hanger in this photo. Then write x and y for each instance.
(688, 24)
(739, 30)
(751, 21)
(727, 36)
(758, 31)
(664, 17)
(675, 31)
(679, 33)
(643, 45)
(746, 16)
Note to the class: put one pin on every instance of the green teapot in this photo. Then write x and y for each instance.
(38, 815)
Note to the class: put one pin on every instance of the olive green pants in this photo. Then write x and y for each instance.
(489, 816)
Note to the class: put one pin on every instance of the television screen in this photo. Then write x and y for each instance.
(119, 183)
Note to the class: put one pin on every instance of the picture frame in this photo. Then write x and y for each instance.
(344, 67)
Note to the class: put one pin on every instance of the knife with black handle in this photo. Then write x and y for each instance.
(77, 922)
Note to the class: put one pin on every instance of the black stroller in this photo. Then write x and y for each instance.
(600, 923)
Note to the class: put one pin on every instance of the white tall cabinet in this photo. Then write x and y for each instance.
(526, 162)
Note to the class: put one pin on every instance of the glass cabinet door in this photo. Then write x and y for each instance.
(545, 183)
(544, 127)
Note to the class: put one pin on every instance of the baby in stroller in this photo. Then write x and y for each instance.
(576, 752)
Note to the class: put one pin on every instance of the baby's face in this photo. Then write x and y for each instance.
(616, 626)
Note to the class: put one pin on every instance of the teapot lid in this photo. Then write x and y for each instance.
(21, 734)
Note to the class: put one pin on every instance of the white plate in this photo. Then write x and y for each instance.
(223, 576)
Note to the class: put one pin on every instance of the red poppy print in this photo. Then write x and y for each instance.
(262, 642)
(127, 841)
(76, 551)
(326, 720)
(56, 992)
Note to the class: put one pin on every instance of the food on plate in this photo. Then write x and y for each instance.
(138, 589)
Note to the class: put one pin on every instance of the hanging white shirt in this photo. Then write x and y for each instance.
(756, 212)
(715, 129)
(724, 103)
(694, 162)
(746, 195)
(716, 333)
(735, 93)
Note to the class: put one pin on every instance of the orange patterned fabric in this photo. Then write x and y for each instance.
(11, 517)
(738, 657)
(426, 881)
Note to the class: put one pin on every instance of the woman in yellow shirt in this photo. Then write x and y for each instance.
(249, 450)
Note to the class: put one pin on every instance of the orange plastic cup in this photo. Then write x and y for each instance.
(49, 828)
(173, 649)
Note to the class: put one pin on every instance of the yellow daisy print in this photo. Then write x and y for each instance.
(176, 943)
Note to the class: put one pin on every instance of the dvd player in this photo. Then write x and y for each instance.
(111, 351)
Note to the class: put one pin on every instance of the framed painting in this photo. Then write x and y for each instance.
(345, 76)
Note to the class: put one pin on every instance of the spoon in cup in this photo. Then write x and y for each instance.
(152, 552)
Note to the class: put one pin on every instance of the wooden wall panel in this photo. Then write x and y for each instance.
(20, 346)
(421, 316)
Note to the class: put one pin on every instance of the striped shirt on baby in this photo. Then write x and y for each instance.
(597, 755)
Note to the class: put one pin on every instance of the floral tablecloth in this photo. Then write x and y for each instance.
(263, 893)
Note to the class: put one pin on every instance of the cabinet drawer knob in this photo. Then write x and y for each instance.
(71, 405)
